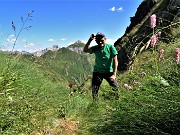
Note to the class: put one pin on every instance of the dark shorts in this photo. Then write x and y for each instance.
(98, 78)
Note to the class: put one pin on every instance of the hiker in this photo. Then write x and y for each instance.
(105, 63)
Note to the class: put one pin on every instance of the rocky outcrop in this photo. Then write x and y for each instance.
(76, 49)
(138, 34)
(143, 9)
(41, 52)
(77, 46)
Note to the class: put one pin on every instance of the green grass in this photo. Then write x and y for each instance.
(148, 109)
(27, 101)
(32, 103)
(30, 100)
(35, 98)
(141, 111)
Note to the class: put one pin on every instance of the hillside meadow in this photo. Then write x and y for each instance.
(32, 103)
(51, 94)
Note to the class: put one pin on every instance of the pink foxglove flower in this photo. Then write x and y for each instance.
(160, 54)
(153, 41)
(70, 85)
(177, 55)
(159, 34)
(153, 21)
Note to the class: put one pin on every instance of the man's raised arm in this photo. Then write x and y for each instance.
(86, 47)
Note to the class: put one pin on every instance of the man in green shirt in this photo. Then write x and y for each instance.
(105, 63)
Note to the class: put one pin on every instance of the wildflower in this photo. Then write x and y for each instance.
(177, 55)
(160, 54)
(143, 74)
(153, 41)
(159, 34)
(71, 93)
(70, 85)
(126, 86)
(29, 14)
(74, 89)
(137, 83)
(153, 21)
(13, 26)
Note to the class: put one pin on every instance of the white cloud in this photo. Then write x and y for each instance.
(11, 39)
(31, 50)
(63, 39)
(28, 45)
(120, 9)
(19, 50)
(112, 9)
(23, 40)
(51, 40)
(6, 49)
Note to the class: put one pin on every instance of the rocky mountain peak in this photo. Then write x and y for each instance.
(77, 46)
(78, 41)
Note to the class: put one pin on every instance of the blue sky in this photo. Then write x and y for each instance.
(62, 22)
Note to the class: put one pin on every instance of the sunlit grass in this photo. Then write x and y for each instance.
(150, 108)
(32, 103)
(35, 98)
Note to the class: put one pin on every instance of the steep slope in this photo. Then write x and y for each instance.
(66, 64)
(62, 65)
(138, 35)
(151, 107)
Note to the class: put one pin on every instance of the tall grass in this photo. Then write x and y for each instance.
(29, 101)
(149, 108)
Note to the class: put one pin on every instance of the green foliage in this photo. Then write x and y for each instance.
(151, 107)
(27, 98)
(141, 112)
(31, 102)
(34, 90)
(65, 65)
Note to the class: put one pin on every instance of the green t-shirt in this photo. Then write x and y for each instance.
(103, 58)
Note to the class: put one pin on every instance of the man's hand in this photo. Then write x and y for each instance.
(89, 42)
(113, 77)
(92, 36)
